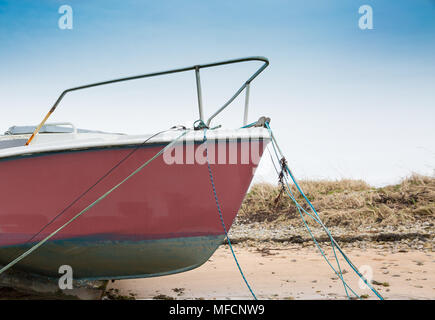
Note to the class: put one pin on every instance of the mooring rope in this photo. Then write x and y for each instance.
(221, 216)
(40, 243)
(299, 208)
(284, 176)
(319, 221)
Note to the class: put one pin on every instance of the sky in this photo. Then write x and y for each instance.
(345, 102)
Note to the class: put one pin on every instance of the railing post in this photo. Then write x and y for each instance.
(245, 115)
(198, 90)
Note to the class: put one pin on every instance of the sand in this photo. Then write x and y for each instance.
(292, 271)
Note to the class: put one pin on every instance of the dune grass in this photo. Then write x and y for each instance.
(345, 202)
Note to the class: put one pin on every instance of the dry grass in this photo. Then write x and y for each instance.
(345, 203)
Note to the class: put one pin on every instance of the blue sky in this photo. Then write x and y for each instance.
(344, 102)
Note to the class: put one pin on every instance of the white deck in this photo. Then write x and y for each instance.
(13, 145)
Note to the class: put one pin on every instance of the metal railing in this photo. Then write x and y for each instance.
(246, 86)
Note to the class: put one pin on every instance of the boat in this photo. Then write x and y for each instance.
(164, 220)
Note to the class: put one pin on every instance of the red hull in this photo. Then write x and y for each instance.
(160, 202)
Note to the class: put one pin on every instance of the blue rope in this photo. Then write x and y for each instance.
(333, 242)
(299, 208)
(221, 217)
(340, 273)
(249, 125)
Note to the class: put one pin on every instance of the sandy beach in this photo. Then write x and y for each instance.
(277, 271)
